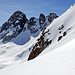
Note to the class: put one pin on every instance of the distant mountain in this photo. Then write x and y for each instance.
(18, 28)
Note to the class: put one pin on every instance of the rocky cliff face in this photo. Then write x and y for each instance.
(13, 27)
(18, 23)
(18, 18)
(41, 44)
(51, 17)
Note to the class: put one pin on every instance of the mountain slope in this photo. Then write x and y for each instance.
(59, 32)
(61, 61)
(18, 28)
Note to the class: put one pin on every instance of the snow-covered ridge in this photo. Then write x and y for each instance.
(72, 5)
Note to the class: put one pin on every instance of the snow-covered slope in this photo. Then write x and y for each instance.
(60, 61)
(62, 29)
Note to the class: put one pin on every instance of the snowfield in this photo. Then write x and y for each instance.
(57, 59)
(60, 61)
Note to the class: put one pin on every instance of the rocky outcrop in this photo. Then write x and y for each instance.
(32, 21)
(64, 33)
(18, 18)
(52, 16)
(5, 26)
(13, 27)
(33, 25)
(59, 38)
(38, 47)
(41, 19)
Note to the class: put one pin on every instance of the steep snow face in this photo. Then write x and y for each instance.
(59, 32)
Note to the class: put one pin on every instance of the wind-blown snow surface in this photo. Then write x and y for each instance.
(60, 61)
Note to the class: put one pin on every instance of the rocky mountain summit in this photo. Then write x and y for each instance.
(18, 23)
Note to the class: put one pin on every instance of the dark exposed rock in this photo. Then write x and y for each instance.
(49, 33)
(34, 53)
(5, 26)
(39, 46)
(41, 19)
(59, 31)
(61, 27)
(59, 38)
(52, 16)
(14, 26)
(64, 33)
(18, 18)
(32, 21)
(9, 37)
(32, 25)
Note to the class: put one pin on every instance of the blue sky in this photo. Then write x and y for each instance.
(33, 7)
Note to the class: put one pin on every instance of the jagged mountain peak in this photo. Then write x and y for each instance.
(18, 23)
(18, 18)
